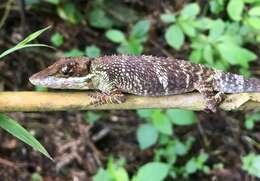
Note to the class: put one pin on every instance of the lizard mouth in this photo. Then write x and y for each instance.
(61, 82)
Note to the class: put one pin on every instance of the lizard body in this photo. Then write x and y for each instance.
(142, 75)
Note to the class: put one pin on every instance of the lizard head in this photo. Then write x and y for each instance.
(66, 73)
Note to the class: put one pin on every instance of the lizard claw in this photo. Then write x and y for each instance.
(103, 98)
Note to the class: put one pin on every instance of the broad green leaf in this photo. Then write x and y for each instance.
(57, 39)
(196, 56)
(216, 29)
(92, 51)
(153, 171)
(99, 19)
(18, 131)
(116, 36)
(235, 55)
(56, 2)
(235, 9)
(91, 117)
(162, 122)
(131, 47)
(121, 175)
(187, 28)
(203, 23)
(174, 36)
(251, 119)
(69, 12)
(145, 113)
(140, 29)
(255, 11)
(168, 18)
(190, 10)
(74, 53)
(254, 22)
(181, 117)
(251, 163)
(102, 175)
(147, 136)
(208, 54)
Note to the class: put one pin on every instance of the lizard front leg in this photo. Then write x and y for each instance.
(113, 97)
(212, 99)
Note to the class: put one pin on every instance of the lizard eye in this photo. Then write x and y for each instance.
(67, 70)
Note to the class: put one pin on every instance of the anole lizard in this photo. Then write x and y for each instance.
(143, 76)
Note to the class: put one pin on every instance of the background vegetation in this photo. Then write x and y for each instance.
(137, 145)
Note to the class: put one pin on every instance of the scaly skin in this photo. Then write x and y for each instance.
(143, 76)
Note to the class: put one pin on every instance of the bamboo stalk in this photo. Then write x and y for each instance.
(63, 101)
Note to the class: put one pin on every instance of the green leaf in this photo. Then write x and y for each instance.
(216, 29)
(187, 28)
(251, 119)
(92, 51)
(168, 18)
(254, 22)
(56, 2)
(69, 12)
(174, 36)
(196, 56)
(255, 11)
(11, 50)
(147, 136)
(99, 19)
(153, 171)
(145, 113)
(162, 122)
(18, 131)
(32, 36)
(121, 175)
(91, 117)
(102, 175)
(251, 164)
(140, 29)
(116, 36)
(190, 10)
(73, 53)
(57, 39)
(181, 117)
(235, 9)
(23, 43)
(235, 55)
(208, 54)
(131, 47)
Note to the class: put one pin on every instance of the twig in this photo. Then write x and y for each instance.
(61, 101)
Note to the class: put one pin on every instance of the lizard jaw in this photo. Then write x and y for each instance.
(62, 83)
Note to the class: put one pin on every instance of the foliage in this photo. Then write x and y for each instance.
(251, 120)
(57, 39)
(11, 125)
(152, 171)
(133, 44)
(251, 164)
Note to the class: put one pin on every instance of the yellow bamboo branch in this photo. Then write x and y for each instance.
(62, 101)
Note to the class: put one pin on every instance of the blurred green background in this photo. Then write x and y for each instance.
(139, 145)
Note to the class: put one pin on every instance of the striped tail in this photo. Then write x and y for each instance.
(233, 83)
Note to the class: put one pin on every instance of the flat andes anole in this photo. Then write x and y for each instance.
(143, 76)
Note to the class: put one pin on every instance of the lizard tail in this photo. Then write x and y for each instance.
(233, 83)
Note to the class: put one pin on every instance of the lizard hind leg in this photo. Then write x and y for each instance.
(100, 98)
(212, 99)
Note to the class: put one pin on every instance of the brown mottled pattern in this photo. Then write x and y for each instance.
(149, 75)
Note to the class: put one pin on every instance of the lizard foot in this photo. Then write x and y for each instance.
(212, 99)
(103, 98)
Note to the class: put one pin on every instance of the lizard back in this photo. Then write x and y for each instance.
(148, 75)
